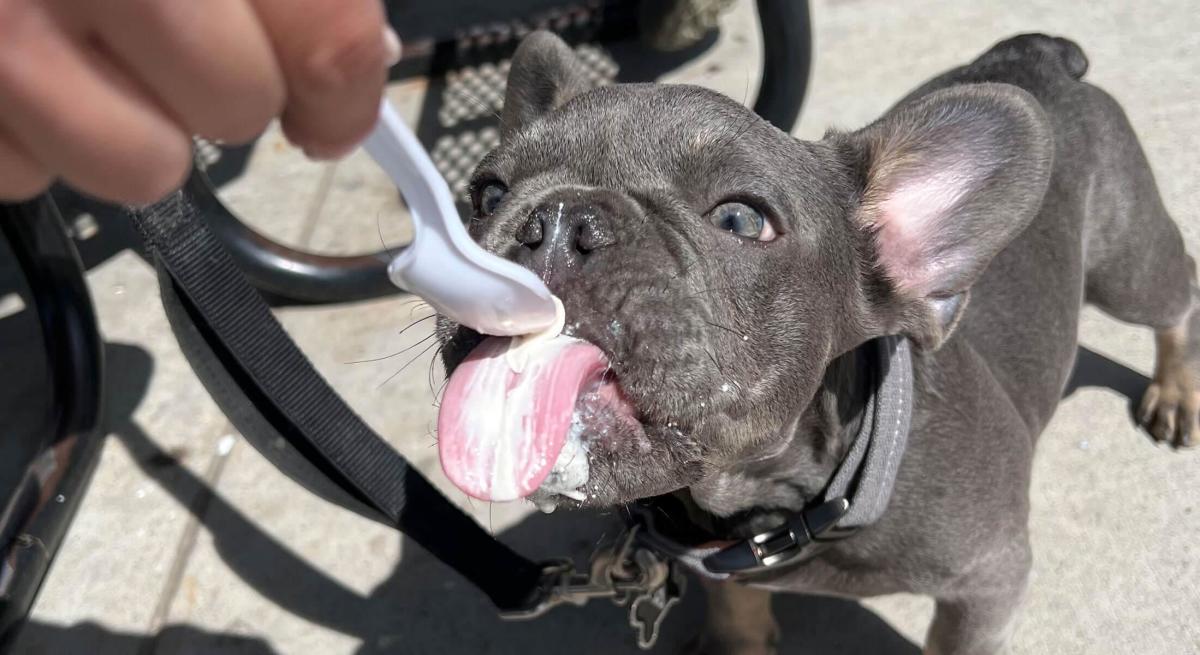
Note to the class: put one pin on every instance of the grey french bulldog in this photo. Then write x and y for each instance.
(730, 273)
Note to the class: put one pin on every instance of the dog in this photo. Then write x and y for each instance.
(729, 278)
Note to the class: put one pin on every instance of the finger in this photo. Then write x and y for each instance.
(209, 63)
(334, 58)
(21, 177)
(85, 122)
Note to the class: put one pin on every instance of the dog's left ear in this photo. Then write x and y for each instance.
(544, 74)
(947, 182)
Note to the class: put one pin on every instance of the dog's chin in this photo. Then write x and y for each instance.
(619, 463)
(604, 421)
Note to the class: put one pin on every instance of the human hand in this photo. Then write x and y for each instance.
(106, 95)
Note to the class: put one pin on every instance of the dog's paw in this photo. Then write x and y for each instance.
(1170, 409)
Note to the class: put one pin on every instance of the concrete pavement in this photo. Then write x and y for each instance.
(189, 542)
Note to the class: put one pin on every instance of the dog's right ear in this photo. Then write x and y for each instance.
(544, 74)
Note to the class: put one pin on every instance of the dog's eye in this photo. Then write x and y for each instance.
(490, 198)
(742, 220)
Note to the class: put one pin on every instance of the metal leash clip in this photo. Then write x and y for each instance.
(625, 573)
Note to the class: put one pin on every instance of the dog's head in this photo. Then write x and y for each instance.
(721, 265)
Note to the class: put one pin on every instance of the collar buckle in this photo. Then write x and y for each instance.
(793, 541)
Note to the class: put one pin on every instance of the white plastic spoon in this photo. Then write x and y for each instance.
(443, 265)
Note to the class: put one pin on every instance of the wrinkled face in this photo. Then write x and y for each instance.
(710, 268)
(674, 226)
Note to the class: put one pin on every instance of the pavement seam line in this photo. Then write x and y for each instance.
(186, 546)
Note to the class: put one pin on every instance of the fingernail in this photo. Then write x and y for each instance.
(391, 45)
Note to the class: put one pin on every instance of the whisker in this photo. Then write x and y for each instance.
(421, 305)
(437, 396)
(664, 513)
(750, 122)
(415, 303)
(718, 325)
(596, 546)
(746, 93)
(712, 289)
(395, 354)
(480, 103)
(415, 300)
(686, 270)
(714, 361)
(432, 363)
(734, 136)
(415, 323)
(406, 365)
(379, 230)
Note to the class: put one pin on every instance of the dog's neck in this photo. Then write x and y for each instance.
(782, 477)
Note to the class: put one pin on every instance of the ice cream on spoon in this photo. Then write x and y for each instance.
(509, 411)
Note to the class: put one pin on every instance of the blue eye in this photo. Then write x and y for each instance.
(742, 220)
(490, 198)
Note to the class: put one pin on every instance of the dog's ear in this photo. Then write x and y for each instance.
(544, 74)
(946, 182)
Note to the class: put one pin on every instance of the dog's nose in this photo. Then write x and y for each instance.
(561, 235)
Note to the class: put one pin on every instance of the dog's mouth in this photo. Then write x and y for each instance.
(505, 434)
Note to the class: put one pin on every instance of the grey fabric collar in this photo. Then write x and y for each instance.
(856, 495)
(867, 474)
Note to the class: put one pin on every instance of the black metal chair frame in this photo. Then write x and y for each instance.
(290, 275)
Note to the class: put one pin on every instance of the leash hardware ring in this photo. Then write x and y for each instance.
(561, 583)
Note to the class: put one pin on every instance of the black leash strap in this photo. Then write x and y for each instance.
(282, 385)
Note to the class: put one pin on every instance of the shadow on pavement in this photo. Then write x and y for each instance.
(1095, 370)
(425, 607)
(422, 606)
(45, 639)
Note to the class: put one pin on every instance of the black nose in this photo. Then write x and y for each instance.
(561, 236)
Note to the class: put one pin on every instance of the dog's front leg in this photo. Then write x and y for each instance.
(979, 621)
(971, 626)
(739, 621)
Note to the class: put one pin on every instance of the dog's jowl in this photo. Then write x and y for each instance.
(859, 337)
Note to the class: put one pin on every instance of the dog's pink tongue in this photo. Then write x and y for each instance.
(501, 430)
